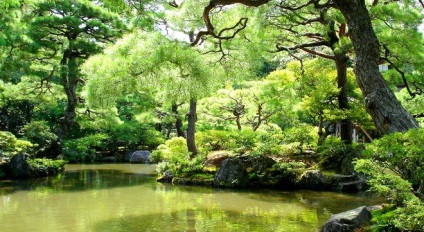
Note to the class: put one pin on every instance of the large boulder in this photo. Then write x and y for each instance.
(313, 180)
(259, 164)
(19, 166)
(347, 221)
(215, 159)
(232, 174)
(139, 157)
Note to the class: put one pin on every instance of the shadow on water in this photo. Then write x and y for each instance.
(79, 180)
(191, 220)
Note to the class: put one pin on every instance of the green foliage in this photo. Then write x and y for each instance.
(40, 134)
(175, 157)
(401, 153)
(83, 149)
(214, 140)
(246, 141)
(10, 145)
(290, 171)
(337, 156)
(47, 165)
(173, 147)
(394, 164)
(301, 137)
(132, 134)
(268, 142)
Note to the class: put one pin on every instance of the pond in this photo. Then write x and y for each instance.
(126, 197)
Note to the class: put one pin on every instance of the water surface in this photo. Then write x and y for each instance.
(126, 197)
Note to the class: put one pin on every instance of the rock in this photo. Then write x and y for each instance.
(375, 208)
(347, 221)
(139, 157)
(19, 166)
(259, 164)
(313, 180)
(231, 174)
(166, 177)
(4, 168)
(215, 159)
(353, 186)
(348, 183)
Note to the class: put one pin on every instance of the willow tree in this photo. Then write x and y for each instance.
(71, 31)
(386, 111)
(140, 61)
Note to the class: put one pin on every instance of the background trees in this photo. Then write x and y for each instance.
(71, 31)
(375, 90)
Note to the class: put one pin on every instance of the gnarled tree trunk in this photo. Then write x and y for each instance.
(69, 83)
(381, 103)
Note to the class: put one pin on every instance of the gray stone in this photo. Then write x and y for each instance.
(139, 157)
(19, 166)
(348, 183)
(347, 221)
(313, 180)
(231, 174)
(166, 177)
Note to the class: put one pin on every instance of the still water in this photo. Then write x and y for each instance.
(126, 197)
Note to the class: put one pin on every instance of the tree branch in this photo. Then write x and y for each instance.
(210, 29)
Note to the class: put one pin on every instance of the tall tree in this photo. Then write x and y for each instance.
(387, 113)
(320, 34)
(72, 30)
(140, 60)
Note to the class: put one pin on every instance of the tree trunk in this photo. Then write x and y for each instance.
(191, 128)
(69, 83)
(343, 100)
(178, 121)
(386, 111)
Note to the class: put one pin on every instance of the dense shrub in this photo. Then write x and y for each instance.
(245, 141)
(40, 134)
(268, 142)
(83, 149)
(394, 164)
(299, 138)
(133, 134)
(46, 167)
(174, 156)
(214, 140)
(337, 156)
(10, 145)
